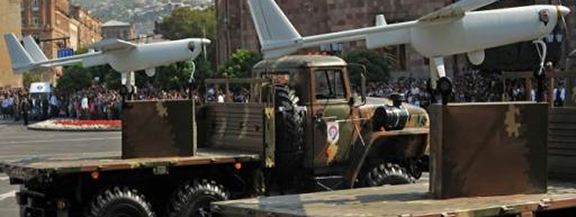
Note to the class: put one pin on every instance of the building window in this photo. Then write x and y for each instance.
(35, 5)
(35, 21)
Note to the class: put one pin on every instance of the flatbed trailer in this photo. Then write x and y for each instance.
(42, 168)
(405, 200)
(66, 186)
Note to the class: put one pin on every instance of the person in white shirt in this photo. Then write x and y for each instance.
(558, 96)
(4, 108)
(84, 103)
(220, 98)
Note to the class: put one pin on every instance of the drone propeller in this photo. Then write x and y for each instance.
(561, 17)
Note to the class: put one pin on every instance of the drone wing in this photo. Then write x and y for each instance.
(111, 45)
(455, 11)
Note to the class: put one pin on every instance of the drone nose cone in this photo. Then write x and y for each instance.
(564, 10)
(207, 41)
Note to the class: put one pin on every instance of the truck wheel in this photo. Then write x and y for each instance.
(387, 174)
(193, 199)
(289, 130)
(120, 201)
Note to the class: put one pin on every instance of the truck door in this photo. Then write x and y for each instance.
(332, 125)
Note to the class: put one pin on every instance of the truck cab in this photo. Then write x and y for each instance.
(343, 135)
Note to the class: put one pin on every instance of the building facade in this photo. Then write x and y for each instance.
(74, 33)
(89, 27)
(119, 30)
(47, 21)
(55, 24)
(236, 30)
(11, 20)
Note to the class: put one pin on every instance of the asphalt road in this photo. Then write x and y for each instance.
(17, 142)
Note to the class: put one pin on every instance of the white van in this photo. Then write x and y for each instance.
(38, 91)
(41, 88)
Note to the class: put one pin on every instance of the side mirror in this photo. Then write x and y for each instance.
(352, 101)
(363, 88)
(362, 83)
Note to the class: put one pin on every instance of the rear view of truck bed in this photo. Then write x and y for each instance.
(404, 200)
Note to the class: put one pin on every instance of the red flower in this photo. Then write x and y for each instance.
(87, 123)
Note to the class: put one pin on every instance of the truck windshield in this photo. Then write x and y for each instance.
(329, 84)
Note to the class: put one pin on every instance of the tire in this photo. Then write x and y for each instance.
(193, 199)
(119, 201)
(387, 174)
(289, 130)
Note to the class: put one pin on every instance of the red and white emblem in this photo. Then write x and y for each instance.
(333, 132)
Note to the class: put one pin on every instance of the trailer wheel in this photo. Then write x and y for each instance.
(387, 174)
(193, 199)
(120, 201)
(289, 130)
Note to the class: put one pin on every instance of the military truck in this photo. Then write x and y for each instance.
(303, 130)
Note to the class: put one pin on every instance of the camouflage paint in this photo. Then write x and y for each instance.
(158, 129)
(358, 138)
(246, 127)
(270, 137)
(488, 149)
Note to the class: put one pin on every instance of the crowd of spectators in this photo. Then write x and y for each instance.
(97, 102)
(10, 101)
(473, 86)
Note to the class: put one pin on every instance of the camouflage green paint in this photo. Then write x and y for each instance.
(488, 149)
(270, 137)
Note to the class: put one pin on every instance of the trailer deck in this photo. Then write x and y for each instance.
(404, 200)
(35, 167)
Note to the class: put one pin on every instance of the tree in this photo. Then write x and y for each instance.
(107, 76)
(74, 78)
(177, 75)
(240, 64)
(31, 77)
(377, 65)
(189, 23)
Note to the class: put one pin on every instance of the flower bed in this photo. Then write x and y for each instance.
(78, 125)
